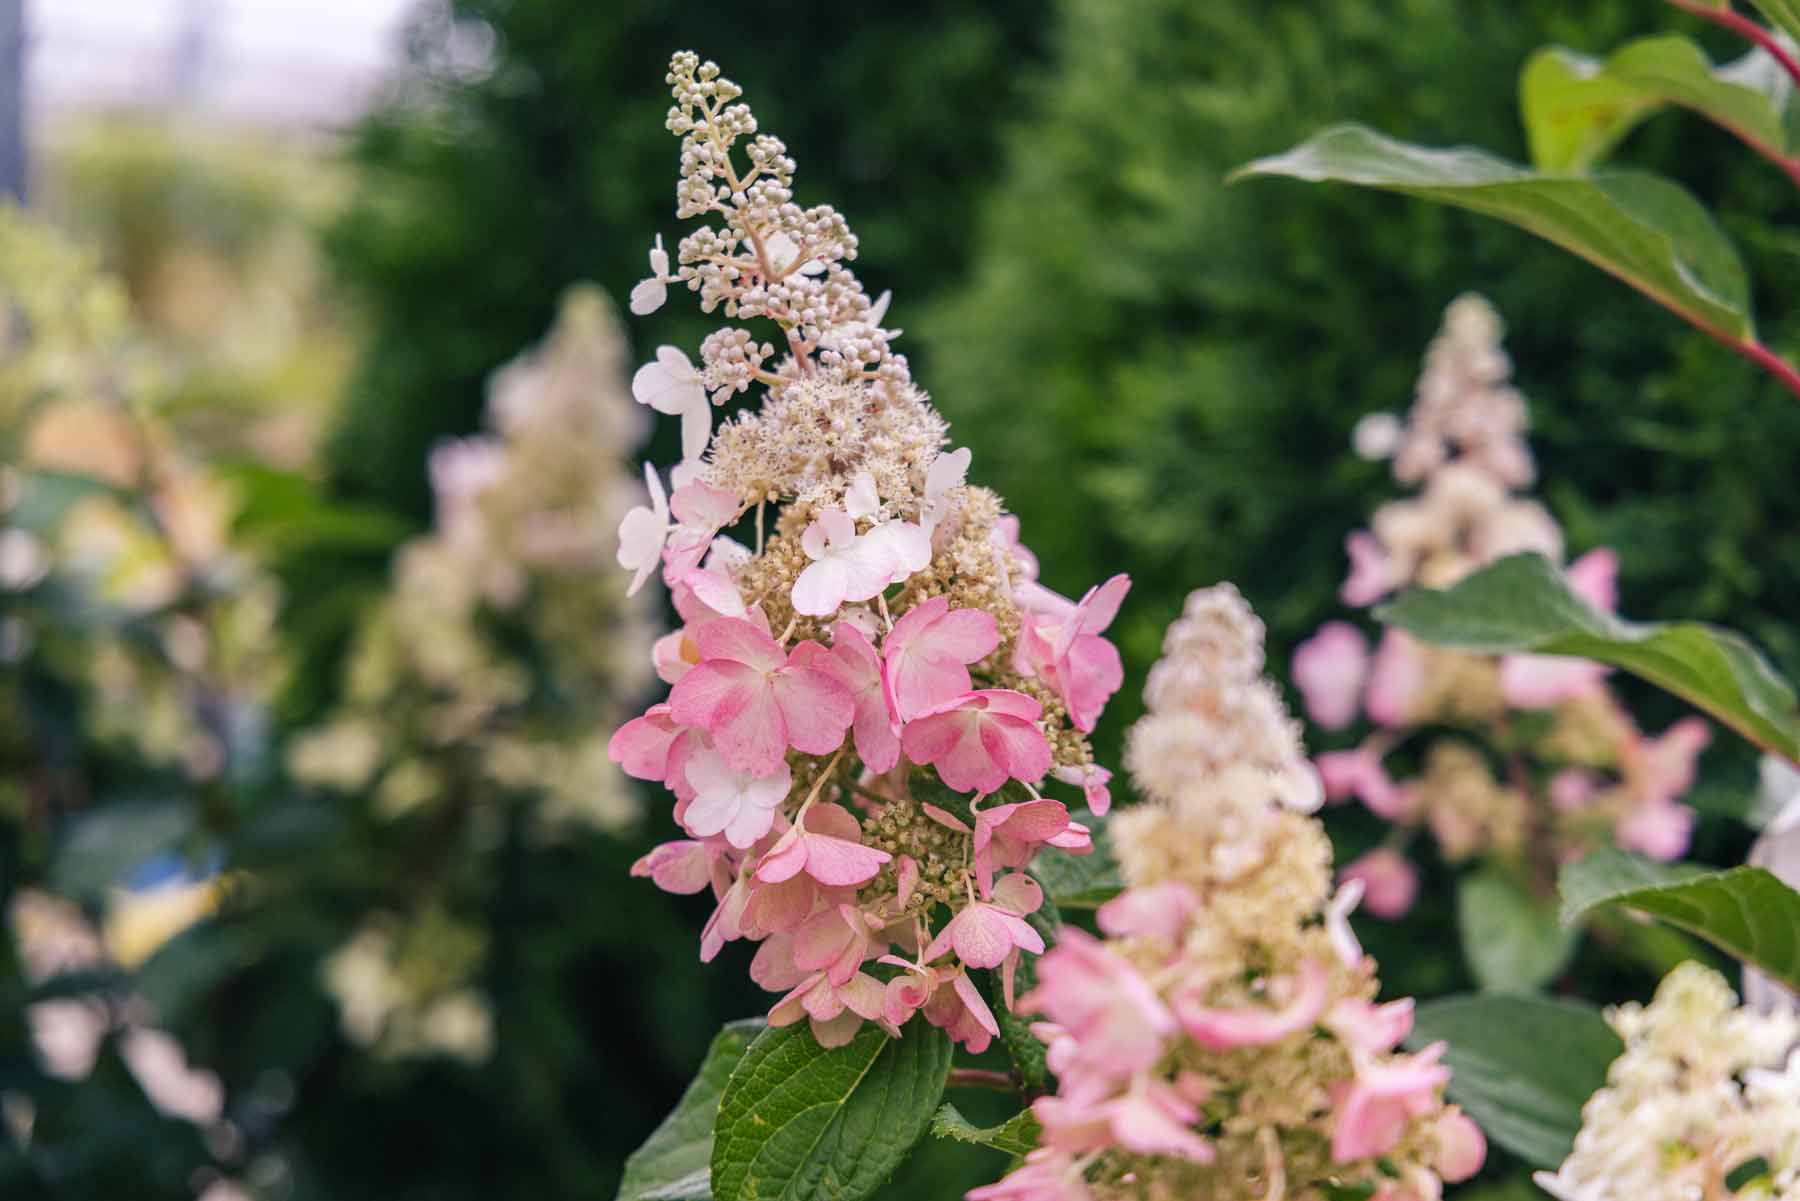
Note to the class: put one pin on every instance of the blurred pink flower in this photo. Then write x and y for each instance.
(1374, 1111)
(1371, 572)
(1329, 669)
(1255, 1026)
(1390, 882)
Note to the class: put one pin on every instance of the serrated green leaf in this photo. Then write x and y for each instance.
(799, 1121)
(1576, 108)
(1015, 1136)
(1524, 604)
(1512, 941)
(1644, 230)
(1746, 911)
(674, 1164)
(1080, 881)
(1522, 1066)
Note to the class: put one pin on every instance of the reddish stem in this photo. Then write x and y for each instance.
(980, 1078)
(1745, 28)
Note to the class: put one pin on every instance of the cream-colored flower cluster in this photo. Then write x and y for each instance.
(1223, 1040)
(1703, 1105)
(438, 691)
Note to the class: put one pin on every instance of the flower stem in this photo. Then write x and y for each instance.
(981, 1078)
(1745, 28)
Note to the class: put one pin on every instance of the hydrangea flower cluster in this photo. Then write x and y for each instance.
(1575, 771)
(865, 701)
(1223, 1039)
(502, 593)
(1704, 1103)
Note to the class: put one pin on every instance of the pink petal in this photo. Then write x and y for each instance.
(1595, 578)
(679, 867)
(735, 704)
(1158, 911)
(1371, 573)
(1394, 679)
(703, 506)
(1019, 746)
(1376, 1029)
(641, 746)
(1089, 676)
(736, 639)
(978, 1008)
(840, 862)
(1223, 1029)
(1101, 604)
(785, 860)
(1329, 669)
(815, 709)
(1019, 893)
(1390, 882)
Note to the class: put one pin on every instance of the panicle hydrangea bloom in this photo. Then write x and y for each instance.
(1544, 763)
(1223, 1039)
(866, 698)
(1703, 1104)
(525, 520)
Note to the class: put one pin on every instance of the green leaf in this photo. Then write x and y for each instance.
(1523, 1066)
(1015, 1136)
(1080, 881)
(1512, 941)
(674, 1162)
(800, 1121)
(1644, 230)
(1783, 14)
(1574, 112)
(1746, 911)
(1523, 604)
(102, 845)
(1576, 108)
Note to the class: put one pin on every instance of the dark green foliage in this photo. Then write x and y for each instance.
(482, 200)
(1160, 373)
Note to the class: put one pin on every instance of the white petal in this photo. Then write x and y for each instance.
(658, 501)
(641, 536)
(947, 471)
(696, 429)
(686, 472)
(659, 259)
(878, 310)
(676, 363)
(656, 386)
(820, 589)
(648, 296)
(862, 500)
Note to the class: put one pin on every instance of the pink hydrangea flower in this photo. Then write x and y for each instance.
(1009, 835)
(1394, 678)
(1371, 1028)
(1223, 1029)
(1329, 669)
(1462, 1147)
(980, 740)
(986, 934)
(835, 1011)
(1116, 1021)
(1093, 780)
(1159, 911)
(1151, 1119)
(1371, 572)
(928, 652)
(852, 662)
(1659, 829)
(1383, 1099)
(756, 701)
(956, 1008)
(682, 867)
(1359, 773)
(827, 845)
(1067, 652)
(1390, 882)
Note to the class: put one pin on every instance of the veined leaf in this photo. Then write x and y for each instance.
(1644, 230)
(1576, 109)
(1513, 942)
(1745, 911)
(673, 1164)
(1015, 1136)
(1524, 604)
(799, 1121)
(1522, 1066)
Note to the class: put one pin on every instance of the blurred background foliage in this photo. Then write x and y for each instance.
(1159, 373)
